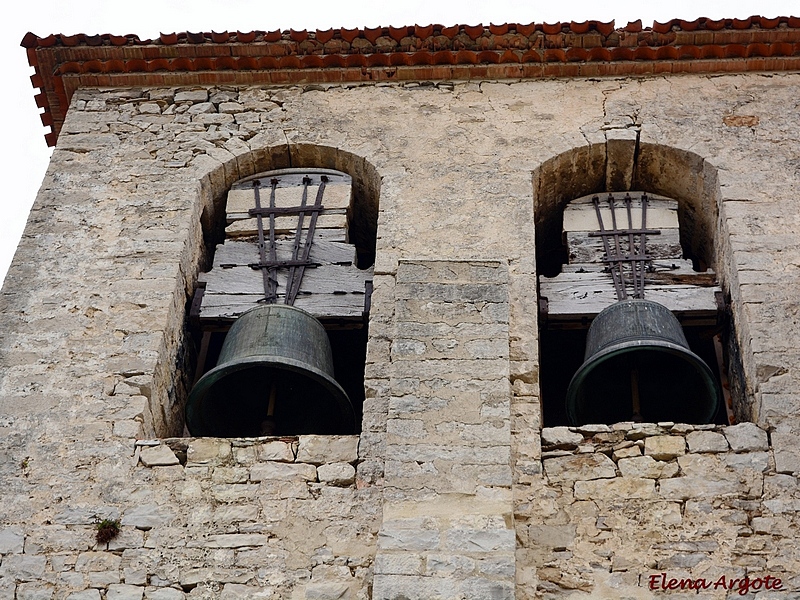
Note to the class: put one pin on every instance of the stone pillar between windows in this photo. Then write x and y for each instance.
(447, 496)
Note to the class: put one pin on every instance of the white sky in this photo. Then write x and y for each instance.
(25, 154)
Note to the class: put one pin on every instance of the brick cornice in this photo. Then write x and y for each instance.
(434, 52)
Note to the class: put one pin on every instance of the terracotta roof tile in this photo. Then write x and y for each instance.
(64, 63)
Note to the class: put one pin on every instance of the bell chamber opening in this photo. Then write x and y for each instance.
(632, 325)
(281, 314)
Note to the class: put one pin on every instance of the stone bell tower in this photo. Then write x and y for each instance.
(455, 285)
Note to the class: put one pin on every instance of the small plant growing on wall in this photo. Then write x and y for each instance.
(107, 530)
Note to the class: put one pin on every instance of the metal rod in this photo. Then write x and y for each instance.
(273, 247)
(309, 239)
(262, 255)
(289, 298)
(644, 232)
(615, 230)
(620, 290)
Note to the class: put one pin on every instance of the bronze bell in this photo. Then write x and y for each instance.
(274, 376)
(638, 367)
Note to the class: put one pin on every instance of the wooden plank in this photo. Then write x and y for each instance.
(291, 219)
(676, 271)
(678, 265)
(580, 214)
(325, 279)
(285, 224)
(230, 306)
(572, 295)
(336, 195)
(244, 253)
(584, 248)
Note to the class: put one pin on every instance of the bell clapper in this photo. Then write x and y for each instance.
(268, 424)
(637, 409)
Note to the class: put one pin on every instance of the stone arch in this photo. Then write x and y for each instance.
(366, 187)
(214, 177)
(679, 174)
(673, 172)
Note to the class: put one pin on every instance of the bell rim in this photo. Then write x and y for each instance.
(629, 346)
(204, 384)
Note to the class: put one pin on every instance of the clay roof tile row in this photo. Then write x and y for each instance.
(65, 62)
(398, 33)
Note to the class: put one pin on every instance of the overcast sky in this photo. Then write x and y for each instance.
(25, 153)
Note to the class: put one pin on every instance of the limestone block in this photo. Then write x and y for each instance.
(231, 540)
(620, 487)
(665, 447)
(237, 591)
(620, 151)
(328, 591)
(593, 429)
(147, 516)
(122, 591)
(756, 461)
(566, 469)
(128, 429)
(276, 451)
(133, 576)
(158, 456)
(339, 474)
(193, 577)
(468, 539)
(102, 579)
(34, 591)
(391, 537)
(321, 449)
(201, 108)
(166, 593)
(627, 452)
(85, 595)
(282, 471)
(23, 567)
(11, 540)
(746, 437)
(97, 562)
(561, 437)
(638, 431)
(230, 107)
(230, 475)
(401, 563)
(449, 565)
(706, 441)
(150, 108)
(786, 447)
(127, 538)
(646, 467)
(208, 451)
(245, 455)
(683, 488)
(191, 96)
(557, 537)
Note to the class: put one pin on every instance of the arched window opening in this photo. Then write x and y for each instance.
(286, 265)
(664, 251)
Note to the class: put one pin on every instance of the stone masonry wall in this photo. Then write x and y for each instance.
(95, 355)
(619, 504)
(208, 517)
(447, 523)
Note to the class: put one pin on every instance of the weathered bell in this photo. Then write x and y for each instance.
(638, 367)
(274, 376)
